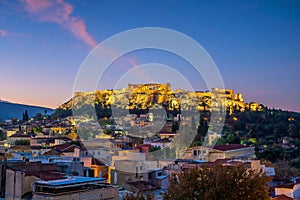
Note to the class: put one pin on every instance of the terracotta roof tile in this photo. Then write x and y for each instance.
(45, 175)
(282, 197)
(20, 135)
(65, 147)
(97, 162)
(228, 147)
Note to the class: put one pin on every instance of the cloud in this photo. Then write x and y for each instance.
(60, 12)
(3, 33)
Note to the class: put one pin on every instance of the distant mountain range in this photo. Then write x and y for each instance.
(15, 110)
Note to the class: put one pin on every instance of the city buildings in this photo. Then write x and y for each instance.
(53, 163)
(230, 151)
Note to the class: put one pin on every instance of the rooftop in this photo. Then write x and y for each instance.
(70, 180)
(288, 186)
(65, 147)
(282, 197)
(164, 140)
(20, 135)
(229, 147)
(46, 175)
(167, 133)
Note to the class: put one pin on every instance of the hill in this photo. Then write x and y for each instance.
(139, 98)
(14, 110)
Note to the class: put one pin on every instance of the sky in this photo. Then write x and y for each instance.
(255, 45)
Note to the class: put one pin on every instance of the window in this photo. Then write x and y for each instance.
(195, 153)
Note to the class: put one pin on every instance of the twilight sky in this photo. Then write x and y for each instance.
(255, 44)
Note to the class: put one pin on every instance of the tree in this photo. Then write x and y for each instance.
(37, 129)
(38, 116)
(232, 138)
(25, 116)
(2, 135)
(193, 123)
(219, 182)
(175, 126)
(293, 131)
(154, 148)
(201, 132)
(61, 113)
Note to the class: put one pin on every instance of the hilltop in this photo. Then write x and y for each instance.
(15, 110)
(139, 98)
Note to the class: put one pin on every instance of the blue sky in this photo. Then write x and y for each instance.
(255, 44)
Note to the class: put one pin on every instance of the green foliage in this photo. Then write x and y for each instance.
(61, 113)
(37, 129)
(104, 122)
(252, 140)
(272, 154)
(201, 132)
(154, 148)
(286, 161)
(25, 116)
(87, 133)
(293, 131)
(103, 111)
(284, 169)
(2, 135)
(164, 153)
(266, 129)
(175, 126)
(219, 182)
(38, 116)
(232, 138)
(107, 131)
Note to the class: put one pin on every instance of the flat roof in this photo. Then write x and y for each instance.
(70, 180)
(162, 177)
(154, 169)
(200, 161)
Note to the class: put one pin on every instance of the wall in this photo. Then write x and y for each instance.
(296, 193)
(14, 185)
(286, 191)
(105, 193)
